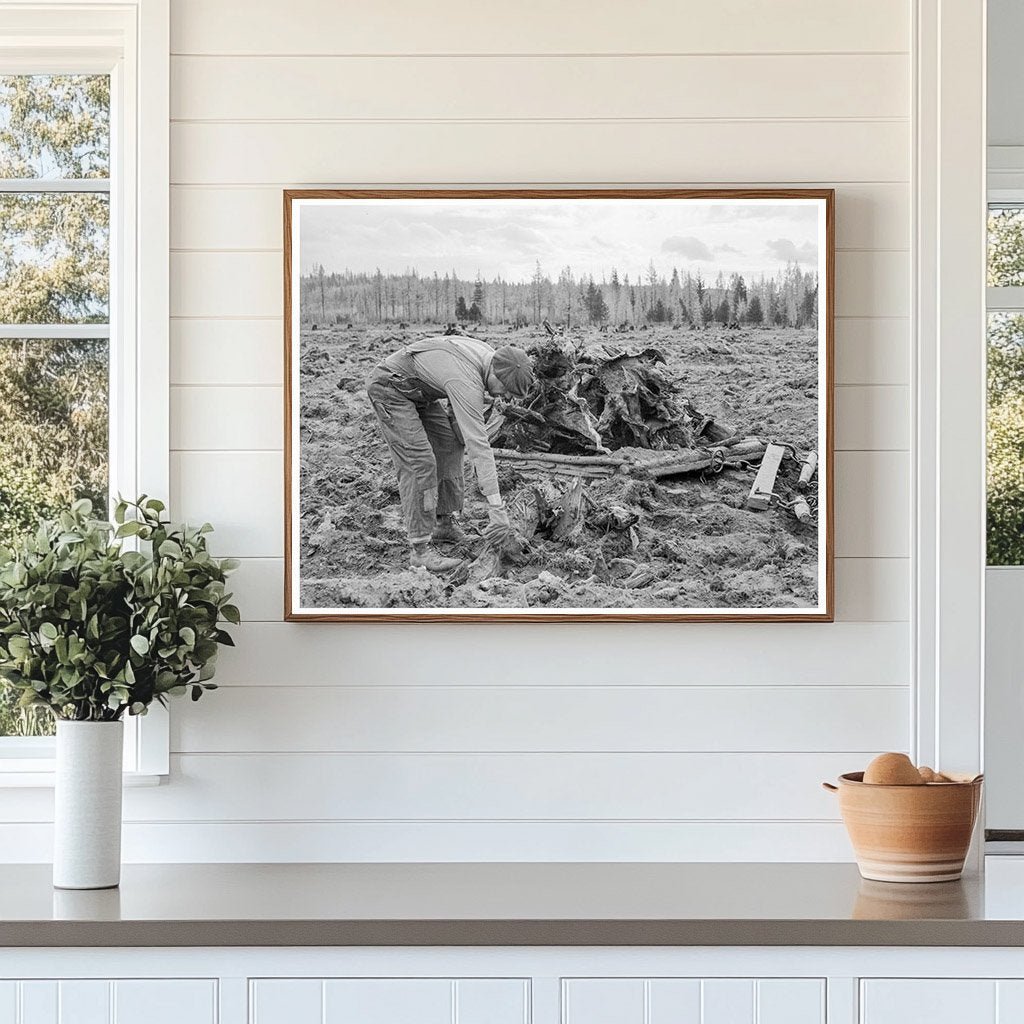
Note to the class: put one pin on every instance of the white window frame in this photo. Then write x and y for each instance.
(1004, 717)
(130, 41)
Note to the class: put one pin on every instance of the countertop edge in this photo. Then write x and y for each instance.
(477, 932)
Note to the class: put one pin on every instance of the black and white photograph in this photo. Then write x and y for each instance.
(563, 405)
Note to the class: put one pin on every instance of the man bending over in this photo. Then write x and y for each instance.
(428, 441)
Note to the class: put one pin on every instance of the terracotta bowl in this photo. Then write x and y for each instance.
(909, 833)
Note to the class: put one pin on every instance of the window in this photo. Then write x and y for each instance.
(1005, 486)
(84, 124)
(54, 309)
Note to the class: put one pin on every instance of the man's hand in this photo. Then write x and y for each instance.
(498, 529)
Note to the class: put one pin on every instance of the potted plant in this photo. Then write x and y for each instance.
(99, 620)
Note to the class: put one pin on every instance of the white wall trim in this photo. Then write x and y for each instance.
(950, 317)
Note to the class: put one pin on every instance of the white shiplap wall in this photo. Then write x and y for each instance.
(438, 741)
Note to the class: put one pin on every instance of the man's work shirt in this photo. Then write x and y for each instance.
(456, 368)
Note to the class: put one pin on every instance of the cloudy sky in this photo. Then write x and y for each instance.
(505, 238)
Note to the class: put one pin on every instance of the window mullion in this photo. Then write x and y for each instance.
(1005, 300)
(62, 332)
(54, 185)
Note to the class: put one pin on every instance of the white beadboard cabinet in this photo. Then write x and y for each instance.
(513, 985)
(109, 1001)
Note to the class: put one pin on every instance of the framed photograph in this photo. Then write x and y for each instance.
(559, 405)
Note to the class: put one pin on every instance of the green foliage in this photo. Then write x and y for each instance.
(1006, 247)
(54, 126)
(53, 251)
(1005, 484)
(91, 630)
(23, 499)
(53, 412)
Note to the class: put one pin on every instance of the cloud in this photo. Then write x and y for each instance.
(786, 251)
(690, 247)
(726, 247)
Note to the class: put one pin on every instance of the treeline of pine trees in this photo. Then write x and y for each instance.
(788, 299)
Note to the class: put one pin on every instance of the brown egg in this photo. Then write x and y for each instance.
(892, 770)
(928, 774)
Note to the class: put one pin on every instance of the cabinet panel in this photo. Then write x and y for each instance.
(603, 1001)
(388, 1001)
(727, 1001)
(8, 1002)
(83, 1002)
(929, 1001)
(790, 1001)
(102, 1001)
(1010, 1002)
(165, 1002)
(491, 1001)
(286, 1001)
(674, 1001)
(694, 1001)
(39, 1003)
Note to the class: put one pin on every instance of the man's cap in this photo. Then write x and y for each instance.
(513, 368)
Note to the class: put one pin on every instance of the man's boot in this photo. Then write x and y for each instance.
(448, 531)
(425, 556)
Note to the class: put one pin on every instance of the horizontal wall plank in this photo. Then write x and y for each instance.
(227, 352)
(873, 350)
(873, 589)
(872, 502)
(452, 842)
(534, 26)
(536, 152)
(874, 216)
(258, 586)
(208, 418)
(249, 284)
(873, 283)
(254, 787)
(867, 589)
(869, 350)
(370, 719)
(539, 87)
(509, 654)
(244, 284)
(872, 418)
(241, 494)
(235, 418)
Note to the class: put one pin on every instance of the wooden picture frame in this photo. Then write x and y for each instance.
(377, 201)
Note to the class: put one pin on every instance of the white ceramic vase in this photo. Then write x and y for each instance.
(87, 811)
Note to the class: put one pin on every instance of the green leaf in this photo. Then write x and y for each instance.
(49, 631)
(18, 646)
(188, 634)
(231, 613)
(170, 549)
(140, 644)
